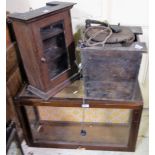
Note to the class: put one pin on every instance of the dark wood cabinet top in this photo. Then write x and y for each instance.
(50, 8)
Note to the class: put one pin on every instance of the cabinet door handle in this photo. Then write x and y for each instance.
(43, 59)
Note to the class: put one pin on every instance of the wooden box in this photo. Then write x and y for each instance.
(111, 71)
(46, 45)
(64, 122)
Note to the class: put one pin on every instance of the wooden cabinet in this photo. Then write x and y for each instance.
(47, 49)
(63, 122)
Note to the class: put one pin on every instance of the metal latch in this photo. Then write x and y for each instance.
(81, 148)
(85, 105)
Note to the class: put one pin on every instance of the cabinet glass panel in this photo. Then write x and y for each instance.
(85, 126)
(55, 52)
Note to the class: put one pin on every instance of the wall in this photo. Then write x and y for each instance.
(127, 12)
(17, 5)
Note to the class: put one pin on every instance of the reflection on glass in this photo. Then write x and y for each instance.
(64, 124)
(55, 51)
(14, 149)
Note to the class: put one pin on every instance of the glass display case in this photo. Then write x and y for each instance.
(90, 126)
(70, 120)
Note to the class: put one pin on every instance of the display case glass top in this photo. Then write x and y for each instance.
(75, 91)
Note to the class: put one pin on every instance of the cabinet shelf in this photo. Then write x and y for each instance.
(46, 34)
(114, 134)
(54, 52)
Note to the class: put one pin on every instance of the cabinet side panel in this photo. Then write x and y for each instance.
(69, 38)
(27, 51)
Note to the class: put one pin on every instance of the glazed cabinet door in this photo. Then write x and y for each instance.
(52, 42)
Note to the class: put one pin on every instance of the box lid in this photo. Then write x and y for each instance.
(134, 47)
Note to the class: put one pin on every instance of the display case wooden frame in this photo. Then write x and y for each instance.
(67, 98)
(32, 29)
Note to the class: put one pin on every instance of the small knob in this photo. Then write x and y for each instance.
(43, 59)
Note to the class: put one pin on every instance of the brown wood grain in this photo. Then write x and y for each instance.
(14, 82)
(11, 113)
(11, 59)
(8, 39)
